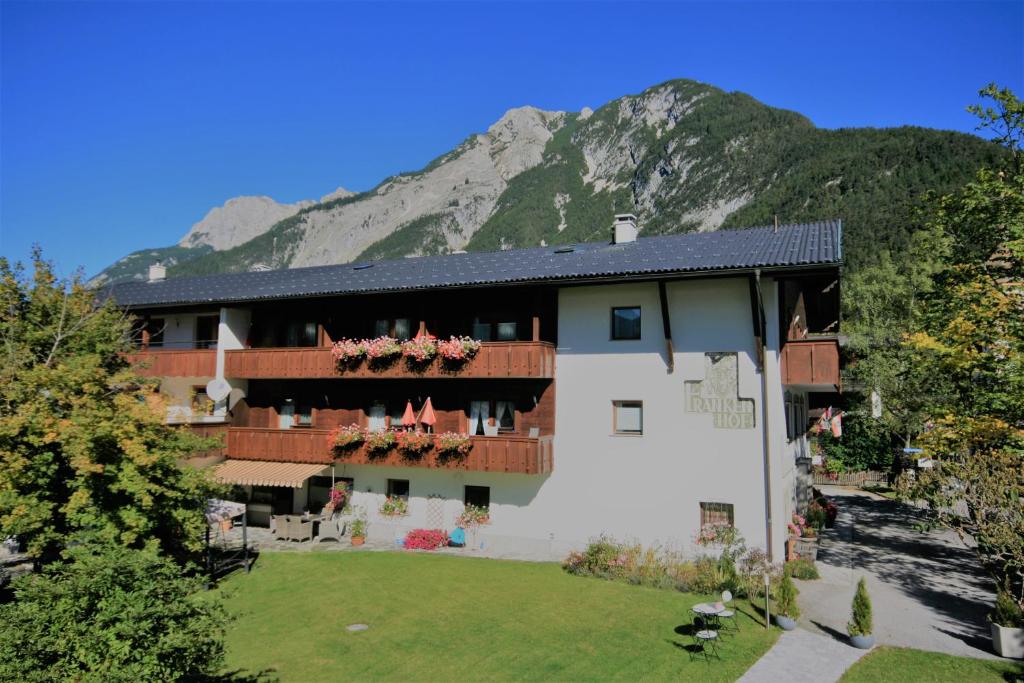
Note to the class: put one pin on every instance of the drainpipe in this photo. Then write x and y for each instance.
(762, 353)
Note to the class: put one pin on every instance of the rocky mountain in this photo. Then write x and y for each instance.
(681, 155)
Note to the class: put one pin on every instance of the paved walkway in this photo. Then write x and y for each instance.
(926, 589)
(800, 656)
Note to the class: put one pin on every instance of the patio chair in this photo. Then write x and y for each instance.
(727, 617)
(333, 527)
(279, 527)
(705, 642)
(299, 529)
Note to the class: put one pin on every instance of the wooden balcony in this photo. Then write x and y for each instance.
(515, 454)
(812, 362)
(175, 362)
(494, 360)
(211, 430)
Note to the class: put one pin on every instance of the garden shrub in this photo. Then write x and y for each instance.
(111, 614)
(785, 598)
(861, 622)
(1006, 611)
(802, 569)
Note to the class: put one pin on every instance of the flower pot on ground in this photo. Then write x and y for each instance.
(786, 609)
(358, 532)
(861, 625)
(1007, 627)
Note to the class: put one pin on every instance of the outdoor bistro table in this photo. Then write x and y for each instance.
(709, 613)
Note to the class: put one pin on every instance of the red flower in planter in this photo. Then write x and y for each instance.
(426, 539)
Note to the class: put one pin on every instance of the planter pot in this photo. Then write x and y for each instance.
(1008, 642)
(358, 540)
(863, 642)
(790, 549)
(785, 623)
(806, 548)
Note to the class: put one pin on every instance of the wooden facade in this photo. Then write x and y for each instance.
(512, 454)
(811, 362)
(494, 360)
(175, 362)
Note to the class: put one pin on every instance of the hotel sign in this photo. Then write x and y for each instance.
(718, 393)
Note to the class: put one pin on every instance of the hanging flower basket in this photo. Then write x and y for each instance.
(453, 445)
(420, 351)
(457, 350)
(379, 443)
(382, 351)
(348, 353)
(414, 444)
(346, 439)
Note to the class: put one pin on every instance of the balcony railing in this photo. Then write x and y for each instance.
(494, 360)
(175, 363)
(515, 454)
(811, 362)
(211, 430)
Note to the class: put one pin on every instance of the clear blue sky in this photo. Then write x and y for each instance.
(122, 124)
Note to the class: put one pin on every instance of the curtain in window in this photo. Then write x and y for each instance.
(506, 331)
(382, 328)
(375, 421)
(403, 328)
(286, 416)
(506, 414)
(479, 413)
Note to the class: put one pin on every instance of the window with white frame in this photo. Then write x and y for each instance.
(628, 417)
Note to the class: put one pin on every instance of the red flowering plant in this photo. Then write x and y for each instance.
(346, 439)
(458, 350)
(380, 442)
(414, 444)
(393, 506)
(425, 539)
(339, 495)
(473, 516)
(453, 444)
(420, 351)
(348, 352)
(382, 350)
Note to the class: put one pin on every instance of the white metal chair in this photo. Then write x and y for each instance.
(727, 617)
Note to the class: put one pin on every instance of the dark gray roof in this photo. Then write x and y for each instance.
(790, 246)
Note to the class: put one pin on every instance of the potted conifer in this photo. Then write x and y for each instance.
(786, 609)
(1007, 627)
(860, 627)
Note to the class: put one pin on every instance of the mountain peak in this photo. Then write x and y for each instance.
(239, 220)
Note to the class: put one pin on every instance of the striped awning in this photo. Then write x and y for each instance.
(262, 473)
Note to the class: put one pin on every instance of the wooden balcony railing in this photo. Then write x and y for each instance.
(516, 454)
(811, 362)
(217, 430)
(494, 360)
(176, 362)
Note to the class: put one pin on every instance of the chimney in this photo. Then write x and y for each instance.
(624, 229)
(157, 272)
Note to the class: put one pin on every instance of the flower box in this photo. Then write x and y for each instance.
(1007, 641)
(414, 444)
(457, 350)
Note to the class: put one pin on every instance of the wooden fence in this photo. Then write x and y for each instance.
(852, 479)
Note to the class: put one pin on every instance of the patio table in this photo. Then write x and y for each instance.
(709, 613)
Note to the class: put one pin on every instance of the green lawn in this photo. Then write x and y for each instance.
(437, 617)
(911, 666)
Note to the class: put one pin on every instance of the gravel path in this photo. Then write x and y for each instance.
(926, 589)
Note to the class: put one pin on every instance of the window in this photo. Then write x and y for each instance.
(304, 416)
(290, 414)
(399, 328)
(626, 322)
(796, 415)
(479, 416)
(206, 331)
(481, 330)
(507, 331)
(201, 403)
(320, 491)
(398, 488)
(301, 334)
(628, 417)
(716, 514)
(506, 414)
(375, 418)
(479, 496)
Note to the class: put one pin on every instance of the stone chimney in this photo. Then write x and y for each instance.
(157, 272)
(624, 229)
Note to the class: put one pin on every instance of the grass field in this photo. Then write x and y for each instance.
(916, 666)
(437, 617)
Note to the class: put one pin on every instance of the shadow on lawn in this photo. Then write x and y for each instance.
(240, 676)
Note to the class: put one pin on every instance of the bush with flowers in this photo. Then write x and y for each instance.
(382, 350)
(346, 439)
(394, 506)
(380, 441)
(414, 443)
(420, 351)
(796, 526)
(453, 444)
(425, 539)
(348, 352)
(457, 350)
(473, 516)
(338, 497)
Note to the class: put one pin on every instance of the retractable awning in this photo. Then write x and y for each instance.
(262, 473)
